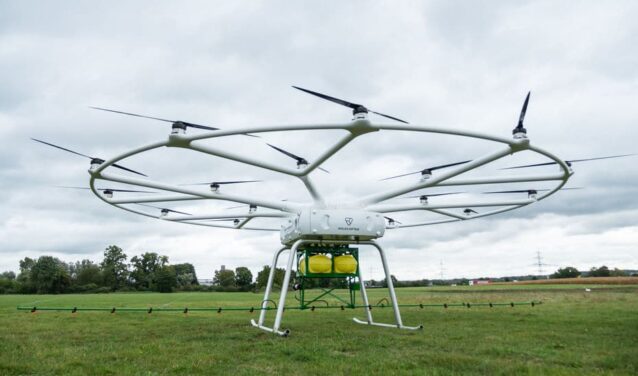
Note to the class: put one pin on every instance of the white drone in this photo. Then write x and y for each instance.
(320, 222)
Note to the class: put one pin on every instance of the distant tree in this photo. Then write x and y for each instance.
(224, 278)
(566, 272)
(145, 268)
(86, 272)
(49, 275)
(8, 283)
(262, 277)
(114, 267)
(617, 273)
(603, 271)
(243, 277)
(185, 274)
(165, 279)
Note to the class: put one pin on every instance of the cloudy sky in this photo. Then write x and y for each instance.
(454, 64)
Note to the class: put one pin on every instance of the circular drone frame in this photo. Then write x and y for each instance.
(360, 125)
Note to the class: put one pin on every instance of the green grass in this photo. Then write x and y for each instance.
(573, 332)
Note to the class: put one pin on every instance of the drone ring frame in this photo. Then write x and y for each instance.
(373, 203)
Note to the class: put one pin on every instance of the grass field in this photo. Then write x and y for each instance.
(572, 332)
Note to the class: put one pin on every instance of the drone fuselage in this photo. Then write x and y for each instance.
(333, 224)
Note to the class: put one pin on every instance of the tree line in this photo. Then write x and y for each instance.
(146, 272)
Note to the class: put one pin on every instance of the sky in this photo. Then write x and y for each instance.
(451, 64)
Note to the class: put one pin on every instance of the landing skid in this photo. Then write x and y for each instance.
(364, 295)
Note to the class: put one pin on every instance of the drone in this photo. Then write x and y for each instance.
(319, 227)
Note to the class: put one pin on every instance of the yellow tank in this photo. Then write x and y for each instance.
(316, 264)
(346, 264)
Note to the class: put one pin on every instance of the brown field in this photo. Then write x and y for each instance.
(577, 281)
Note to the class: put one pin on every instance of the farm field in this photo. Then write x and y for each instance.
(572, 332)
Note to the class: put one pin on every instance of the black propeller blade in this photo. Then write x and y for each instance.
(225, 182)
(251, 208)
(433, 194)
(356, 108)
(93, 159)
(106, 189)
(520, 128)
(391, 221)
(178, 123)
(569, 162)
(427, 171)
(469, 211)
(300, 161)
(530, 191)
(164, 210)
(235, 221)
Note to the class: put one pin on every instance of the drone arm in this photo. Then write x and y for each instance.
(240, 159)
(386, 208)
(226, 216)
(501, 180)
(243, 222)
(435, 181)
(146, 199)
(276, 205)
(329, 153)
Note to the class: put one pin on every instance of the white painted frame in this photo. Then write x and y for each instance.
(374, 202)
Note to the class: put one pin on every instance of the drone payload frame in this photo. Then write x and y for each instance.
(319, 222)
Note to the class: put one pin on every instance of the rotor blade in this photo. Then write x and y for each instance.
(235, 207)
(521, 118)
(530, 165)
(224, 182)
(60, 147)
(193, 125)
(569, 161)
(391, 220)
(527, 190)
(170, 210)
(389, 117)
(594, 159)
(127, 169)
(447, 165)
(398, 176)
(429, 168)
(123, 190)
(236, 182)
(291, 155)
(517, 191)
(105, 189)
(346, 103)
(433, 194)
(131, 114)
(329, 98)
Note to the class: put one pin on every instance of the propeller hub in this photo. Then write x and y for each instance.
(179, 127)
(302, 163)
(96, 162)
(426, 174)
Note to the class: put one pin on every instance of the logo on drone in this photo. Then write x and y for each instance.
(349, 221)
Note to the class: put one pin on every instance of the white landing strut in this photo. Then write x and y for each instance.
(284, 290)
